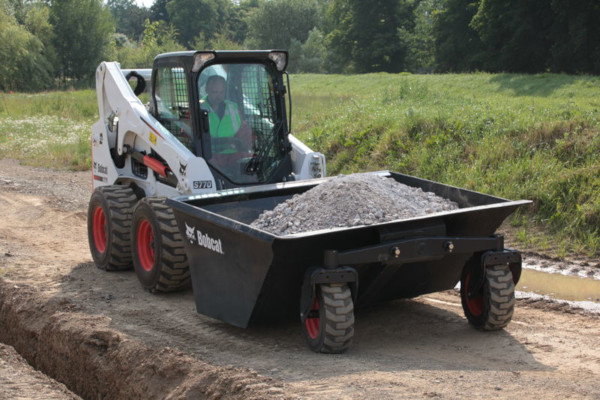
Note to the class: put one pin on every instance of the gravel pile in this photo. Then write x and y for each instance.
(350, 200)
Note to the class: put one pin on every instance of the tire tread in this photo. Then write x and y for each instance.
(174, 271)
(120, 201)
(338, 323)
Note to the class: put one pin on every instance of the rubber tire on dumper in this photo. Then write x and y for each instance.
(329, 326)
(109, 226)
(159, 257)
(492, 308)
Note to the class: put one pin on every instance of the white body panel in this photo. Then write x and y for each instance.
(307, 164)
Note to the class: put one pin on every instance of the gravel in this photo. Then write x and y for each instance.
(350, 200)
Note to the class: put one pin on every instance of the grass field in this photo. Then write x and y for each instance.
(515, 136)
(48, 129)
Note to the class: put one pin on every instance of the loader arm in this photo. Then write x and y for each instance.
(128, 138)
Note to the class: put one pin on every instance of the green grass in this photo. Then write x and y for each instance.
(48, 129)
(515, 136)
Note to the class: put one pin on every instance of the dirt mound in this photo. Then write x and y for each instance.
(352, 200)
(96, 361)
(18, 380)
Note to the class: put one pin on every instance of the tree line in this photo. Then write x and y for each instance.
(50, 43)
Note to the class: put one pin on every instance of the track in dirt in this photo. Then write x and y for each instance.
(103, 336)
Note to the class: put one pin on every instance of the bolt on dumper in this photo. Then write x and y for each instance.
(178, 183)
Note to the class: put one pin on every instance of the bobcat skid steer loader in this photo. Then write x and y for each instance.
(184, 143)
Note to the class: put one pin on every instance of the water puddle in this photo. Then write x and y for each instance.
(571, 288)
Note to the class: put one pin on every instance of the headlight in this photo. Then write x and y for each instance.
(200, 59)
(279, 58)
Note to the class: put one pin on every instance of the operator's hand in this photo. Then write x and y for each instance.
(246, 136)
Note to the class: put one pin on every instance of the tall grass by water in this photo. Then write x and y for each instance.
(514, 136)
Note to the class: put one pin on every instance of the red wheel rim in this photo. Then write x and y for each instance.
(474, 304)
(145, 245)
(313, 324)
(99, 229)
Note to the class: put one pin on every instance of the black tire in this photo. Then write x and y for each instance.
(492, 307)
(109, 226)
(159, 257)
(329, 326)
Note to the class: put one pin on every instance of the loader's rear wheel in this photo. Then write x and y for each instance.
(159, 257)
(329, 326)
(491, 307)
(109, 226)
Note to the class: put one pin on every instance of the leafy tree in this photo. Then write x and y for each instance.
(129, 18)
(83, 31)
(364, 37)
(275, 23)
(515, 34)
(17, 9)
(421, 41)
(158, 11)
(37, 21)
(237, 22)
(576, 36)
(457, 45)
(158, 37)
(339, 40)
(194, 17)
(312, 53)
(121, 40)
(23, 66)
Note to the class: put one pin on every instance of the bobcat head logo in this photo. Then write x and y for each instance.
(190, 232)
(182, 169)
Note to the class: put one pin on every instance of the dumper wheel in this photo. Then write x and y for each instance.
(109, 226)
(329, 326)
(491, 308)
(159, 257)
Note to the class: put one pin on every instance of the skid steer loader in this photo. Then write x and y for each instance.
(178, 144)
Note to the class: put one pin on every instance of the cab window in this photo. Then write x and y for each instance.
(244, 118)
(172, 104)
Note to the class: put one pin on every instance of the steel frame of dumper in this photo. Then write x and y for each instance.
(242, 275)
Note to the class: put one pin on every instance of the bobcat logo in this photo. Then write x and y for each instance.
(195, 236)
(182, 169)
(190, 232)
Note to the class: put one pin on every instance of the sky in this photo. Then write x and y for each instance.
(144, 3)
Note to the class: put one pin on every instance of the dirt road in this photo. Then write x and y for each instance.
(104, 337)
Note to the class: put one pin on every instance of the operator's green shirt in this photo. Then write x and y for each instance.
(225, 127)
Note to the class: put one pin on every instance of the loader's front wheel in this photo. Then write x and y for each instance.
(329, 325)
(159, 257)
(491, 307)
(109, 226)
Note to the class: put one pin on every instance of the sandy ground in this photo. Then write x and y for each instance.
(104, 337)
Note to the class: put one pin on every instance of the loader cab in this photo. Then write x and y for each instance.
(229, 108)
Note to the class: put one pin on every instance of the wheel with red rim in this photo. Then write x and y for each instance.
(145, 245)
(109, 226)
(159, 257)
(99, 229)
(492, 305)
(329, 325)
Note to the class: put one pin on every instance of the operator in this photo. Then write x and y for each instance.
(224, 120)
